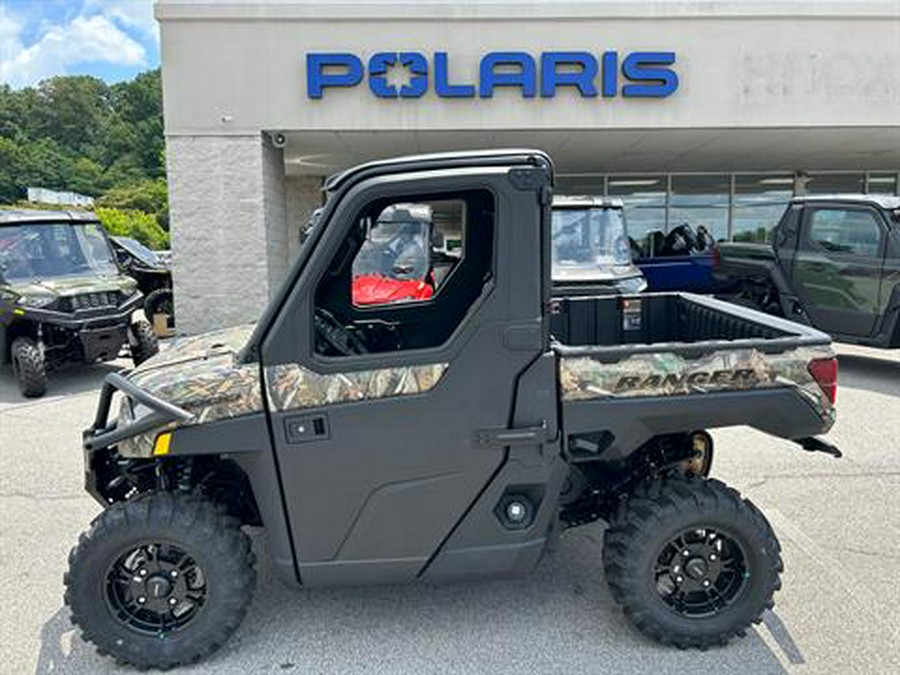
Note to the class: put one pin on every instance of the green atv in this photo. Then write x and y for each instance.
(63, 298)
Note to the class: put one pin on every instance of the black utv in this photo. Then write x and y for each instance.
(152, 273)
(63, 298)
(440, 438)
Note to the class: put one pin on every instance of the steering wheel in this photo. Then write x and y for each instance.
(331, 333)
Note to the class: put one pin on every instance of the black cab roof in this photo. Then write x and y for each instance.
(16, 216)
(441, 160)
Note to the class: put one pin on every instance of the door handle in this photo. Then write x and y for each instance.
(500, 438)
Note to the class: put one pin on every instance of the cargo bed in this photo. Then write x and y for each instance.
(673, 362)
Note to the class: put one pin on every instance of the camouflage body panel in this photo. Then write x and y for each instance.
(291, 387)
(670, 374)
(200, 374)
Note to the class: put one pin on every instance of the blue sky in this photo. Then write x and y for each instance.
(110, 39)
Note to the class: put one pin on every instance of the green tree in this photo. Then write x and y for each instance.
(80, 134)
(135, 224)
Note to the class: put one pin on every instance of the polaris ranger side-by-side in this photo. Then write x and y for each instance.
(590, 252)
(443, 438)
(63, 298)
(833, 263)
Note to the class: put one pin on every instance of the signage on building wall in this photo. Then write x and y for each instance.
(631, 75)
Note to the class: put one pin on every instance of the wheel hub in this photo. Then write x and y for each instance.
(696, 568)
(700, 572)
(156, 588)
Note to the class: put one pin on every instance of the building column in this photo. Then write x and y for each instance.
(228, 225)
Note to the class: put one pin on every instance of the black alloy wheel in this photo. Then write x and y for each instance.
(691, 562)
(701, 572)
(155, 588)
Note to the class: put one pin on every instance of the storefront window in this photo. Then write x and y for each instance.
(701, 201)
(882, 184)
(644, 198)
(835, 183)
(759, 201)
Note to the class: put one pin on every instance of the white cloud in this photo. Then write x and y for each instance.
(136, 14)
(94, 39)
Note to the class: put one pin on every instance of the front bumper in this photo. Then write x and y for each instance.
(85, 319)
(103, 435)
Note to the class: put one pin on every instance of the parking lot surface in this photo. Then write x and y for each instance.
(838, 521)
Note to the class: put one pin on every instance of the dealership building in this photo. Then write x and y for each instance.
(710, 113)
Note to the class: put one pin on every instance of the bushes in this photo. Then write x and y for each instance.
(135, 224)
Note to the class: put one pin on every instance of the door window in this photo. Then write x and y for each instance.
(850, 231)
(406, 274)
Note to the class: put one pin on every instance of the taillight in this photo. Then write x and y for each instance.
(716, 258)
(824, 372)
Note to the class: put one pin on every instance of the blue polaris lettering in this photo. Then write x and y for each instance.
(378, 66)
(583, 78)
(525, 78)
(645, 74)
(610, 74)
(417, 64)
(413, 61)
(317, 79)
(442, 85)
(645, 67)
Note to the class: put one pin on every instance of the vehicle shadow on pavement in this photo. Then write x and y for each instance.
(560, 618)
(64, 382)
(881, 376)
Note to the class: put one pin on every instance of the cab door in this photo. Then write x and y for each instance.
(374, 410)
(838, 267)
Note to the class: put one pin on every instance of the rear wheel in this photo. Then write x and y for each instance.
(160, 581)
(159, 301)
(143, 342)
(691, 562)
(29, 367)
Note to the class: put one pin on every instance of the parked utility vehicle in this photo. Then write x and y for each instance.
(152, 273)
(62, 297)
(589, 248)
(834, 263)
(438, 439)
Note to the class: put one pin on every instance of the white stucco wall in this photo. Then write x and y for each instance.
(741, 64)
(234, 69)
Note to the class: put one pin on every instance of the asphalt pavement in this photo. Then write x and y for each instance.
(838, 521)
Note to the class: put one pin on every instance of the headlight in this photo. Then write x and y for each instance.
(35, 301)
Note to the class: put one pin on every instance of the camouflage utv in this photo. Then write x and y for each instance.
(428, 440)
(63, 298)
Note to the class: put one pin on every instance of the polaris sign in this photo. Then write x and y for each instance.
(643, 74)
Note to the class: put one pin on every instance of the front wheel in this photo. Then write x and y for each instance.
(691, 562)
(160, 581)
(143, 341)
(29, 367)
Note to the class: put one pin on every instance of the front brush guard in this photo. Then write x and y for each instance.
(102, 435)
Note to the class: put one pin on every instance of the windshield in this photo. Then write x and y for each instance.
(588, 238)
(139, 251)
(398, 250)
(43, 251)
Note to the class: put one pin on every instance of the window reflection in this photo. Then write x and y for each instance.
(739, 206)
(759, 201)
(644, 198)
(701, 201)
